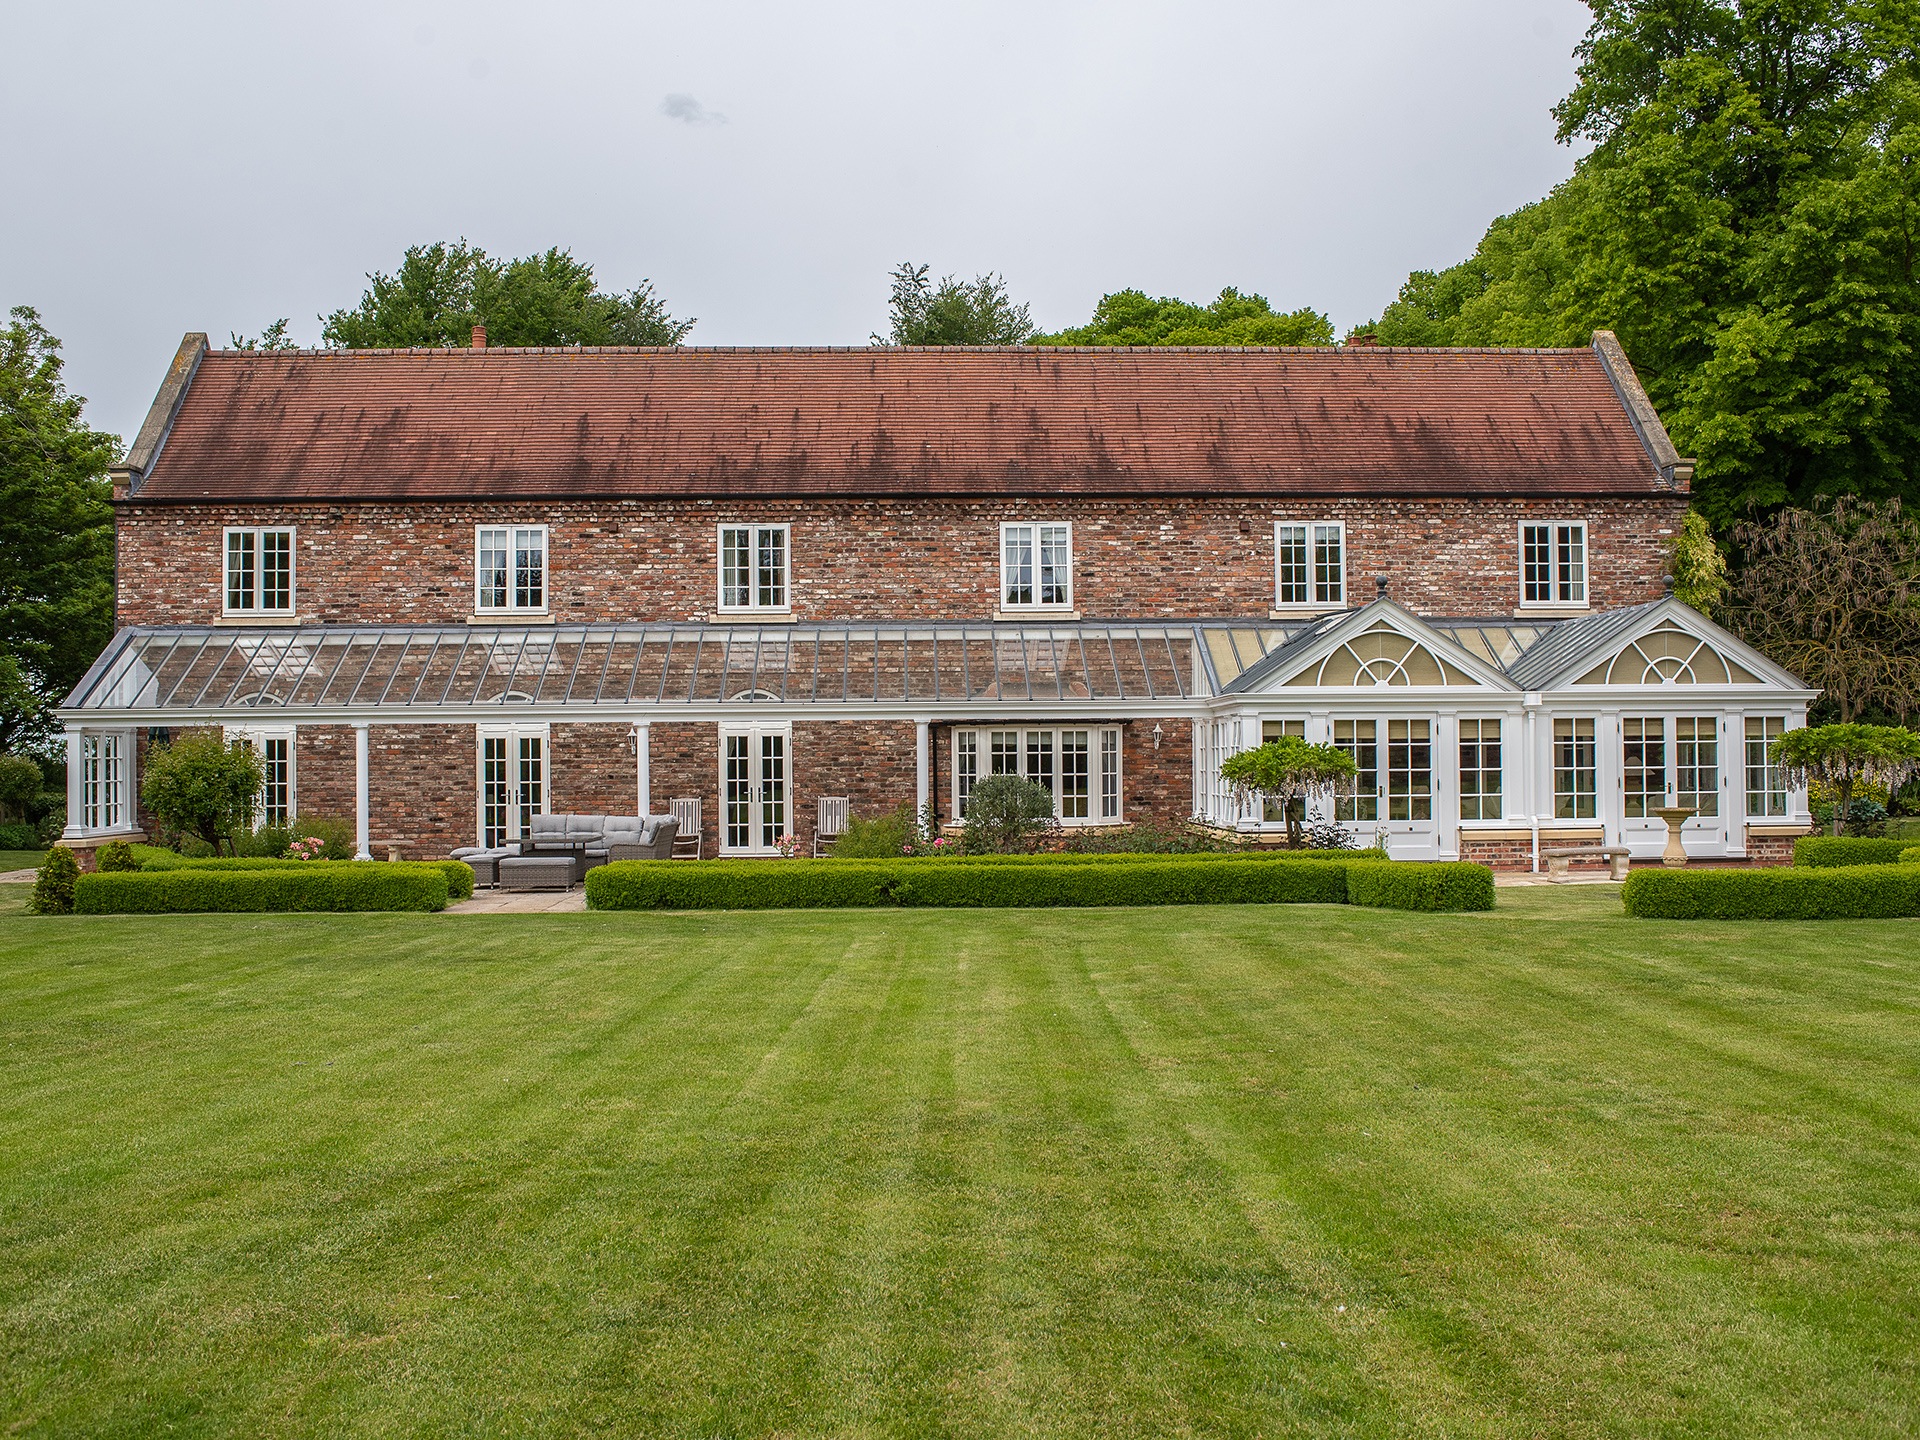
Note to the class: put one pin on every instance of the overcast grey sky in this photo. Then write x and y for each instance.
(214, 166)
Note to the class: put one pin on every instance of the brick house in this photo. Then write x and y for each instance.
(443, 590)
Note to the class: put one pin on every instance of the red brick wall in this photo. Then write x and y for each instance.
(591, 771)
(872, 763)
(647, 560)
(1770, 849)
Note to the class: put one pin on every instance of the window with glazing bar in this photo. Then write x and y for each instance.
(1310, 563)
(1036, 567)
(1079, 767)
(1575, 774)
(259, 571)
(753, 567)
(1766, 786)
(510, 568)
(1553, 564)
(103, 782)
(1480, 769)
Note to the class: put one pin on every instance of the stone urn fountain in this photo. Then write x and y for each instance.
(1675, 855)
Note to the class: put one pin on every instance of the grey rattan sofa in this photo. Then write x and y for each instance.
(622, 837)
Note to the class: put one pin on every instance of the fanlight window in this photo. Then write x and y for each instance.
(1669, 656)
(1382, 656)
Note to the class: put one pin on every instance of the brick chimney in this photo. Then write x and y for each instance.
(479, 337)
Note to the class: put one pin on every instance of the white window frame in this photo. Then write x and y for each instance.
(1106, 767)
(106, 759)
(1321, 596)
(1037, 541)
(1505, 741)
(510, 588)
(255, 594)
(1558, 580)
(255, 737)
(1772, 782)
(511, 736)
(754, 606)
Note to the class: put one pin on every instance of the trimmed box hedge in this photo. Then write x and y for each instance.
(993, 882)
(459, 874)
(1853, 892)
(1417, 885)
(1830, 851)
(1127, 857)
(1909, 856)
(302, 886)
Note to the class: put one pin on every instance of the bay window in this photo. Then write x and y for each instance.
(1036, 567)
(1079, 766)
(510, 568)
(103, 781)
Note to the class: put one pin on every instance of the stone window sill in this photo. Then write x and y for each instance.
(1028, 617)
(250, 620)
(512, 617)
(752, 617)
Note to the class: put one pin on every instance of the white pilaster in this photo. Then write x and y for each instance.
(922, 769)
(75, 797)
(362, 847)
(643, 768)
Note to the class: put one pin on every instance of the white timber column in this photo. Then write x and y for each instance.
(642, 768)
(921, 758)
(362, 849)
(75, 798)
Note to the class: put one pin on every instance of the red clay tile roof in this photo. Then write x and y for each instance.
(332, 425)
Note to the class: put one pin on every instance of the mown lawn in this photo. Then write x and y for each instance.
(20, 859)
(1253, 1171)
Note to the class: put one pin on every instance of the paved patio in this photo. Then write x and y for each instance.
(522, 902)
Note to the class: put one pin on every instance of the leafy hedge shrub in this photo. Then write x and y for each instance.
(19, 837)
(318, 886)
(1131, 857)
(1827, 851)
(785, 885)
(1910, 855)
(1851, 892)
(1414, 885)
(115, 855)
(1021, 880)
(53, 886)
(459, 875)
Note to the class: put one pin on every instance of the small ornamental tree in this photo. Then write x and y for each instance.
(1285, 770)
(1003, 810)
(1841, 757)
(203, 786)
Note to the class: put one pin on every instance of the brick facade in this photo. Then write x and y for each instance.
(874, 559)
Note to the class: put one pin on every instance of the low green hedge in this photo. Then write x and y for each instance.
(1828, 851)
(1910, 856)
(312, 885)
(1853, 892)
(1406, 885)
(1146, 880)
(1132, 857)
(459, 874)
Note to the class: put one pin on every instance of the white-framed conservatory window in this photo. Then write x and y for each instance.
(1036, 566)
(103, 781)
(1766, 786)
(1575, 770)
(259, 571)
(1310, 563)
(753, 567)
(1080, 765)
(1480, 770)
(276, 751)
(510, 568)
(1553, 563)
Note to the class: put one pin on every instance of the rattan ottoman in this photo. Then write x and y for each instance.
(536, 872)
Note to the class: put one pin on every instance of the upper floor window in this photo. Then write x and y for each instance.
(259, 572)
(1036, 567)
(753, 567)
(1553, 563)
(1310, 563)
(510, 567)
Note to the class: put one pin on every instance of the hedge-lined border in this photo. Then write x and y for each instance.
(459, 874)
(1909, 856)
(994, 883)
(1852, 892)
(341, 886)
(1826, 852)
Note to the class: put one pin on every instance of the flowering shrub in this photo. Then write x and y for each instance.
(310, 848)
(788, 846)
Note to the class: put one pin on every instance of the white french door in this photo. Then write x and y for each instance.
(755, 788)
(1672, 760)
(513, 782)
(1391, 793)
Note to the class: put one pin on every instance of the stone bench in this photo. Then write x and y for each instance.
(1560, 856)
(536, 872)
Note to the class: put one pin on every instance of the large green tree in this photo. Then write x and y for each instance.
(56, 532)
(440, 292)
(952, 311)
(1747, 221)
(1132, 317)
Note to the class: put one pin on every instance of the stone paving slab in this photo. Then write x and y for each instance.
(19, 877)
(522, 902)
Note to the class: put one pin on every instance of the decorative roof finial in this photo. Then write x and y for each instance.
(1379, 587)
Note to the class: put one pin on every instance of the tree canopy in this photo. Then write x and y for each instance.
(1842, 757)
(56, 532)
(1287, 769)
(440, 292)
(1131, 317)
(1747, 223)
(203, 786)
(952, 312)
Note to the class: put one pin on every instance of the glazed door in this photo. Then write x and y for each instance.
(513, 783)
(1672, 760)
(1391, 793)
(754, 788)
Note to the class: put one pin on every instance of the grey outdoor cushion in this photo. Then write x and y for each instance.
(622, 829)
